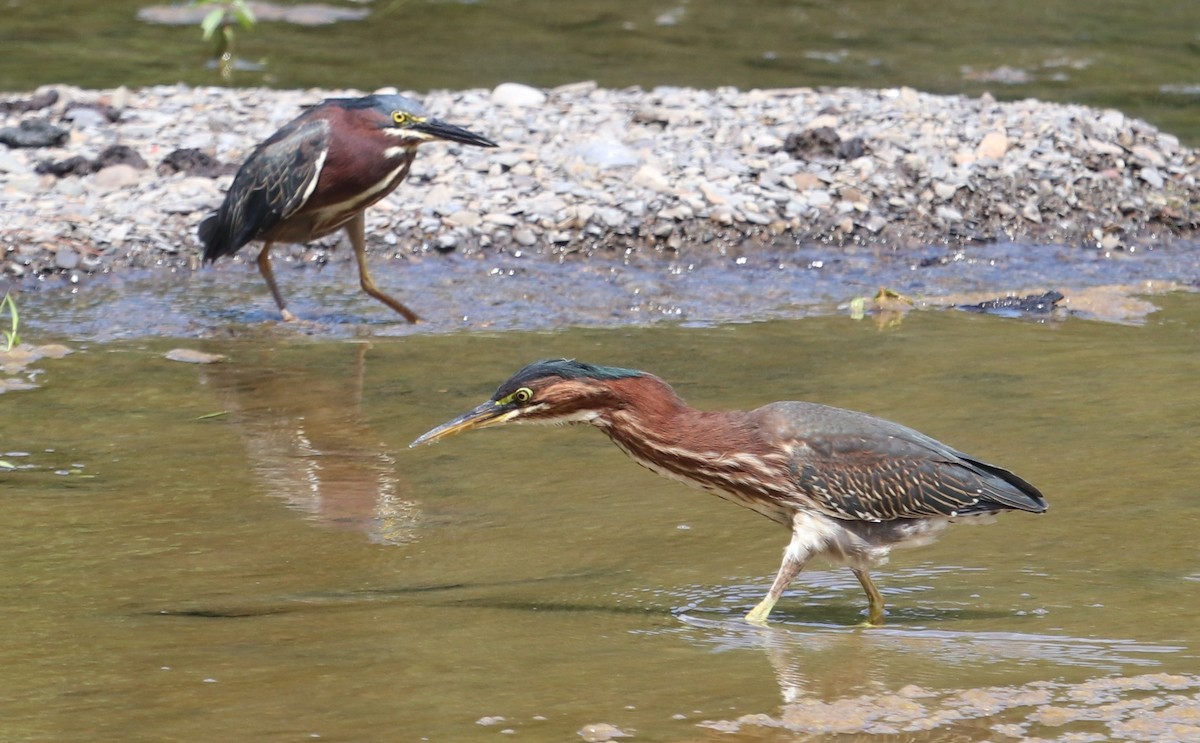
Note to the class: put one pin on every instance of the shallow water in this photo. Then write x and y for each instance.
(1108, 53)
(249, 550)
(700, 286)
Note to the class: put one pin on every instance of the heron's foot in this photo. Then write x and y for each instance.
(287, 315)
(873, 620)
(758, 615)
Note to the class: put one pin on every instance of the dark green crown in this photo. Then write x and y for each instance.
(564, 368)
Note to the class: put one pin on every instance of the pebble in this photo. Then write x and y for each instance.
(66, 258)
(517, 95)
(582, 168)
(600, 732)
(465, 218)
(1152, 177)
(115, 177)
(607, 153)
(11, 162)
(651, 178)
(992, 146)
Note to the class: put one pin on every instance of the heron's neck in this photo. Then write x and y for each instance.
(646, 409)
(717, 451)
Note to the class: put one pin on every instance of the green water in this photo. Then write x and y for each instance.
(1113, 53)
(249, 550)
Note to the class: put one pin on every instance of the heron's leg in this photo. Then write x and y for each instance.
(794, 558)
(874, 598)
(355, 228)
(264, 267)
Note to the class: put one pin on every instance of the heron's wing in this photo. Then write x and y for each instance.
(273, 184)
(851, 480)
(856, 466)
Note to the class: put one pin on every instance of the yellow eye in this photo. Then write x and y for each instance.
(522, 395)
(401, 117)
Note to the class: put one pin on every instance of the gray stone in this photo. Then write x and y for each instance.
(1152, 177)
(66, 258)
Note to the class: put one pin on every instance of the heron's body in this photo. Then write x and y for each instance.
(318, 174)
(848, 485)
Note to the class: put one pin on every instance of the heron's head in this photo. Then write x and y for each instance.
(403, 121)
(553, 391)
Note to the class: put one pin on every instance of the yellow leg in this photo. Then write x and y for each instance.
(264, 267)
(787, 572)
(355, 228)
(874, 598)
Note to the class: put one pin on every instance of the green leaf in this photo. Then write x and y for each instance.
(244, 15)
(211, 22)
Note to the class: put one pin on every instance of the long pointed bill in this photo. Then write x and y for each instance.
(441, 130)
(486, 415)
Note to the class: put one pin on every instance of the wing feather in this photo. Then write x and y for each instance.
(856, 466)
(273, 184)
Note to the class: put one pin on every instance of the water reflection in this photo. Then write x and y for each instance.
(310, 445)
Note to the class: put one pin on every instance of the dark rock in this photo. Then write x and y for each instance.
(119, 154)
(1033, 304)
(36, 103)
(33, 133)
(823, 142)
(851, 149)
(191, 161)
(77, 165)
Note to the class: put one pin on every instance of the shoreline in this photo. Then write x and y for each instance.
(666, 176)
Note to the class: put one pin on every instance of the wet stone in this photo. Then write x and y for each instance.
(66, 259)
(601, 731)
(192, 356)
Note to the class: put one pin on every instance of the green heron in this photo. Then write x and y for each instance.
(320, 172)
(850, 486)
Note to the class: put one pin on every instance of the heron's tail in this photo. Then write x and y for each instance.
(208, 236)
(217, 237)
(1020, 494)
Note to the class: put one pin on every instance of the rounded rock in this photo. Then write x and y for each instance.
(517, 96)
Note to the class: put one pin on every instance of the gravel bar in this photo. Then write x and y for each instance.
(126, 175)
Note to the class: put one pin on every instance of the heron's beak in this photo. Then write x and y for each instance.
(490, 413)
(437, 129)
